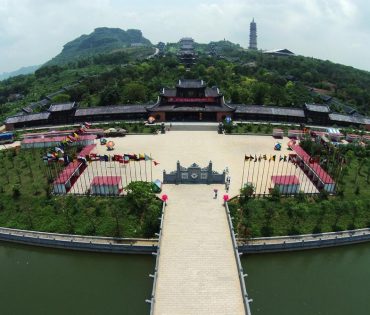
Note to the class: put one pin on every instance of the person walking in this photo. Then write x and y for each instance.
(215, 191)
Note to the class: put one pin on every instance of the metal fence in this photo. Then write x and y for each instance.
(157, 254)
(301, 242)
(79, 242)
(242, 275)
(105, 176)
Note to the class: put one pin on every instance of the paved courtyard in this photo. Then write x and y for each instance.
(200, 147)
(197, 268)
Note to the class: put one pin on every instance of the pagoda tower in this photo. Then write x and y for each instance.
(253, 35)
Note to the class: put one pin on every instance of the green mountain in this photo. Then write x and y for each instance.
(20, 71)
(106, 75)
(101, 40)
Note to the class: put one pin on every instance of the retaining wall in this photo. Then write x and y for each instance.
(76, 242)
(302, 242)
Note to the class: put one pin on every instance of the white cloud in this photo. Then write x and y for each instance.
(33, 31)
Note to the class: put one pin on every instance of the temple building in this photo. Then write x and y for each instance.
(253, 35)
(190, 100)
(187, 54)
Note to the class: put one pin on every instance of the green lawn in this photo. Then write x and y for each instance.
(267, 128)
(26, 203)
(278, 215)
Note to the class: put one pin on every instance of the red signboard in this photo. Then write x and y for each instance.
(191, 99)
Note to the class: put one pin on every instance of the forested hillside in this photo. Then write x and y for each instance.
(128, 77)
(101, 40)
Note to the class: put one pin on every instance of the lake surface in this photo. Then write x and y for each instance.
(52, 281)
(332, 281)
(34, 280)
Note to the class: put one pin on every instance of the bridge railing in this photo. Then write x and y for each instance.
(155, 275)
(242, 275)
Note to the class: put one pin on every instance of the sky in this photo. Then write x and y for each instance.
(34, 31)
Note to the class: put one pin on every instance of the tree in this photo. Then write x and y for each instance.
(61, 98)
(139, 196)
(246, 192)
(110, 96)
(134, 92)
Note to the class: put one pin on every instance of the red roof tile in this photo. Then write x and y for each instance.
(285, 180)
(106, 180)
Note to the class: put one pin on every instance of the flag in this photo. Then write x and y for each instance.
(281, 158)
(246, 158)
(141, 156)
(155, 163)
(265, 157)
(259, 158)
(285, 158)
(255, 158)
(147, 157)
(126, 159)
(273, 157)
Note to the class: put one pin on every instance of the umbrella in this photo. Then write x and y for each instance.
(164, 198)
(277, 146)
(110, 145)
(103, 141)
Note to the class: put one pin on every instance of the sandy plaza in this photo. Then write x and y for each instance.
(200, 147)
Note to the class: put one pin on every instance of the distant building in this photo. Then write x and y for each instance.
(15, 97)
(279, 52)
(187, 54)
(253, 35)
(161, 46)
(190, 100)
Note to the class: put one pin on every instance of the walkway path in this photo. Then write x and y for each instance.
(197, 271)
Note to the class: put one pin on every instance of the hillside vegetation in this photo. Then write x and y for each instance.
(127, 76)
(101, 40)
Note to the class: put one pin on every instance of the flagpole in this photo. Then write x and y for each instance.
(253, 172)
(273, 167)
(258, 171)
(151, 168)
(268, 174)
(263, 172)
(241, 186)
(140, 169)
(129, 163)
(249, 160)
(135, 169)
(146, 175)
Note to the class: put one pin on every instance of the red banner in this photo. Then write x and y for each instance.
(191, 99)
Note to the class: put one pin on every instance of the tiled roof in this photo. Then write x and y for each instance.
(191, 84)
(317, 108)
(285, 180)
(26, 118)
(269, 110)
(106, 180)
(191, 108)
(347, 118)
(62, 107)
(114, 109)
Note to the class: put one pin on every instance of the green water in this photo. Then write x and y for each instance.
(333, 281)
(51, 281)
(41, 281)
